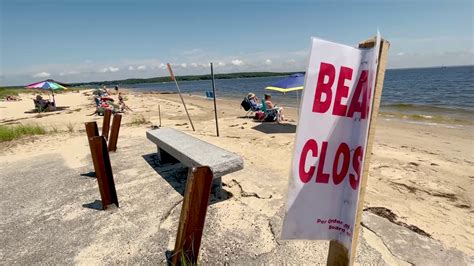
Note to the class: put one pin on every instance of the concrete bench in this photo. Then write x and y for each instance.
(174, 145)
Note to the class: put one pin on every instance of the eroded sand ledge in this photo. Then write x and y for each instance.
(423, 174)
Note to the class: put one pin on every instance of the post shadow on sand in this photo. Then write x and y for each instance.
(176, 175)
(58, 108)
(96, 205)
(89, 174)
(272, 128)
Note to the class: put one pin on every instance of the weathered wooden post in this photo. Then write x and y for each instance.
(193, 216)
(103, 171)
(106, 123)
(114, 132)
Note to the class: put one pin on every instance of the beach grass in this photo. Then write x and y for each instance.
(12, 92)
(8, 133)
(138, 120)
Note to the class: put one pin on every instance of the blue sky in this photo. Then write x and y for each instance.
(72, 40)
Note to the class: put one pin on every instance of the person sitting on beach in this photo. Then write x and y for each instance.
(122, 104)
(116, 90)
(270, 106)
(42, 103)
(255, 104)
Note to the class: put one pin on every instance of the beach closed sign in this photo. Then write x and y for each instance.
(330, 142)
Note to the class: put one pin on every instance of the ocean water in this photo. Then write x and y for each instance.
(444, 94)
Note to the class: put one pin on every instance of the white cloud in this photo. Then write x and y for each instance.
(108, 69)
(184, 65)
(162, 66)
(41, 75)
(141, 68)
(194, 65)
(400, 53)
(237, 62)
(221, 64)
(268, 62)
(131, 68)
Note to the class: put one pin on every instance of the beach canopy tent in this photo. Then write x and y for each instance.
(48, 84)
(294, 82)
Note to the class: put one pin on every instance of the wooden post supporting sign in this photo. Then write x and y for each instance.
(338, 254)
(106, 123)
(193, 216)
(103, 171)
(114, 132)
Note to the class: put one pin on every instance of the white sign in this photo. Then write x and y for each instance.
(330, 144)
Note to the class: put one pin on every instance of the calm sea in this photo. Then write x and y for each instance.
(438, 94)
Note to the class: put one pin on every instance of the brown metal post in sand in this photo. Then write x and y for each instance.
(179, 92)
(103, 171)
(159, 114)
(106, 124)
(92, 131)
(193, 216)
(114, 132)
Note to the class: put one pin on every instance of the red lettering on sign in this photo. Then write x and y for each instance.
(346, 157)
(342, 91)
(356, 160)
(338, 175)
(356, 105)
(322, 177)
(325, 70)
(312, 146)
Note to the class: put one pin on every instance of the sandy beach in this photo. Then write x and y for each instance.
(423, 173)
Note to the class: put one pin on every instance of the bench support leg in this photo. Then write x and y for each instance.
(165, 157)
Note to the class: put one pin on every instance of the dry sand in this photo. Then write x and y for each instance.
(423, 173)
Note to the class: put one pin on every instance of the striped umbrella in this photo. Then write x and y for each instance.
(47, 85)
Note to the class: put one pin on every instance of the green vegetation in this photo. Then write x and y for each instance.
(8, 133)
(185, 78)
(14, 91)
(70, 127)
(139, 120)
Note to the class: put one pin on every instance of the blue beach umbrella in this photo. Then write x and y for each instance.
(294, 82)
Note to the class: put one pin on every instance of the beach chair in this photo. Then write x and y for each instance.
(249, 106)
(209, 95)
(271, 115)
(41, 106)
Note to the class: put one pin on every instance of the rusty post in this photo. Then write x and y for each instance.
(193, 216)
(114, 132)
(92, 131)
(106, 124)
(103, 171)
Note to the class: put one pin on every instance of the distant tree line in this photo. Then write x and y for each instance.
(182, 78)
